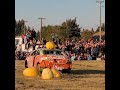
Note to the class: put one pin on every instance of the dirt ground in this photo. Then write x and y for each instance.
(85, 75)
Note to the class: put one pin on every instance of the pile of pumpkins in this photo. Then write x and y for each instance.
(47, 73)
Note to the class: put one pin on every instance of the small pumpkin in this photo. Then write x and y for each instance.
(50, 45)
(47, 74)
(56, 73)
(30, 72)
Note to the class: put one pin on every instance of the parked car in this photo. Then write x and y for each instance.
(42, 58)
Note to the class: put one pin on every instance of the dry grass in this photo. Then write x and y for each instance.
(85, 75)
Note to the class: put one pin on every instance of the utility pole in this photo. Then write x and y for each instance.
(100, 17)
(41, 29)
(24, 27)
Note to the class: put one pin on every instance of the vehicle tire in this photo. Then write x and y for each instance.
(61, 71)
(26, 64)
(69, 70)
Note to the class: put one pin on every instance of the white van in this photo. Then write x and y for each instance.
(18, 42)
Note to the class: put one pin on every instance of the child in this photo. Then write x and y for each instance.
(89, 57)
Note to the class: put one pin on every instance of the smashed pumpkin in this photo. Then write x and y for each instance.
(47, 74)
(30, 72)
(56, 73)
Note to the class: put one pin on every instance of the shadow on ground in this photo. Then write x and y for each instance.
(87, 72)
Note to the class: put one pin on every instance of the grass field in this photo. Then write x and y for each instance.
(85, 75)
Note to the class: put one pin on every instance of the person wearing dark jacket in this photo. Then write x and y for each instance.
(33, 34)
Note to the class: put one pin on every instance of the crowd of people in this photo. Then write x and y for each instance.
(83, 49)
(29, 40)
(75, 49)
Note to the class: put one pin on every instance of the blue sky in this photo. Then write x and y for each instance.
(57, 11)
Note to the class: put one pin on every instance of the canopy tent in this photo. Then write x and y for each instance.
(97, 35)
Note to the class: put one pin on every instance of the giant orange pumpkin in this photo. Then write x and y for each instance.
(50, 45)
(30, 72)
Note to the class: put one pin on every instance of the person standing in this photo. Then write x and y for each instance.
(22, 38)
